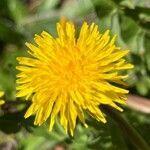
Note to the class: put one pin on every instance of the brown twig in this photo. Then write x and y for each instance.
(139, 103)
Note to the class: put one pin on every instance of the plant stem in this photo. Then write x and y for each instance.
(132, 134)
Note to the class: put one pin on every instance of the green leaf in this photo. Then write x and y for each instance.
(4, 8)
(128, 3)
(17, 10)
(80, 140)
(104, 8)
(8, 71)
(99, 136)
(142, 3)
(104, 23)
(8, 33)
(44, 139)
(37, 26)
(142, 88)
(148, 60)
(79, 8)
(116, 29)
(47, 5)
(132, 34)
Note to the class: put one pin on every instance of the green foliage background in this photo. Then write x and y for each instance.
(21, 19)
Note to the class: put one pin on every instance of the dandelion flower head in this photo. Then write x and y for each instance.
(1, 101)
(69, 75)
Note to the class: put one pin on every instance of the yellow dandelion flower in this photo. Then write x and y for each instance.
(66, 76)
(1, 101)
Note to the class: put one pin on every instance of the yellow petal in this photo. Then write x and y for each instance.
(2, 102)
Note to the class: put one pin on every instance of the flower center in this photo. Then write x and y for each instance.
(71, 69)
(72, 74)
